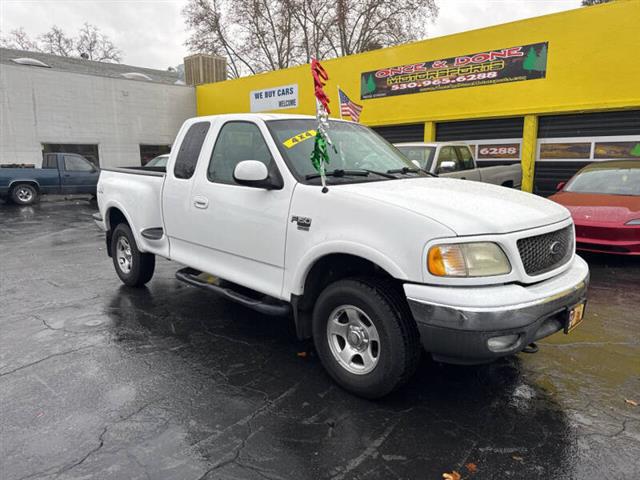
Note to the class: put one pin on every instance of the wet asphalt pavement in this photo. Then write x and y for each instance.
(169, 382)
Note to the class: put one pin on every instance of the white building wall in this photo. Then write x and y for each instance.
(40, 105)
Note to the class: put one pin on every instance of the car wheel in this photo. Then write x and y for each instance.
(24, 194)
(365, 336)
(132, 266)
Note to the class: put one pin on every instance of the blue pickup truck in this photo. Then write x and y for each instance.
(61, 173)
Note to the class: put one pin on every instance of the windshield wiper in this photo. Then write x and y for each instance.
(360, 172)
(405, 170)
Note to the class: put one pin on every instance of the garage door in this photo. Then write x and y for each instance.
(402, 133)
(567, 143)
(496, 141)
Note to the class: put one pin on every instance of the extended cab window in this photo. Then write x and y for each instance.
(76, 164)
(189, 152)
(466, 158)
(237, 141)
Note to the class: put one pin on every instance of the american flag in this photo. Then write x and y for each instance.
(349, 108)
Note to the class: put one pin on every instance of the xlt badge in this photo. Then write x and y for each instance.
(304, 223)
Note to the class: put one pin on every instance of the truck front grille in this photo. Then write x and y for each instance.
(543, 253)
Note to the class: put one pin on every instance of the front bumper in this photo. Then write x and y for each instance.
(455, 323)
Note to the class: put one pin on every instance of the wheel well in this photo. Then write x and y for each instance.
(114, 217)
(22, 182)
(326, 270)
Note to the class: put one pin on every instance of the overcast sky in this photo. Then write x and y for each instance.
(151, 32)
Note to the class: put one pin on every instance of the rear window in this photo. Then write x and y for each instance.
(190, 148)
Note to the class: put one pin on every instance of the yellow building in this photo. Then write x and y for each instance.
(554, 92)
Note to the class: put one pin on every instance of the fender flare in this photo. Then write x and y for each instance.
(296, 284)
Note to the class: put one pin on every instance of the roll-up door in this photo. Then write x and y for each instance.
(496, 128)
(402, 133)
(624, 122)
(566, 143)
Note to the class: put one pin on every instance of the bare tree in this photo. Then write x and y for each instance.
(95, 45)
(258, 35)
(19, 39)
(586, 3)
(55, 41)
(89, 42)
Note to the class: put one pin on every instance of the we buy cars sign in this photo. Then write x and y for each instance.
(275, 98)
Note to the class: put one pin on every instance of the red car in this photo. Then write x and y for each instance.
(604, 201)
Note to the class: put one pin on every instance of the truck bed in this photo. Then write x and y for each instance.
(140, 190)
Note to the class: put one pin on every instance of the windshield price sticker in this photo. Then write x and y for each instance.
(301, 137)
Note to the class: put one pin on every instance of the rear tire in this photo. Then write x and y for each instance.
(365, 336)
(132, 266)
(24, 194)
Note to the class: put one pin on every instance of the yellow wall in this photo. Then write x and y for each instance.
(593, 64)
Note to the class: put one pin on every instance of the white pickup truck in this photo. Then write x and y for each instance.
(455, 160)
(389, 259)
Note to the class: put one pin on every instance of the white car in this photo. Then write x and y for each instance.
(455, 160)
(389, 259)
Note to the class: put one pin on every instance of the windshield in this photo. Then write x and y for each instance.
(619, 181)
(357, 148)
(421, 154)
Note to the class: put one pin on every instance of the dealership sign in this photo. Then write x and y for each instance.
(525, 62)
(275, 98)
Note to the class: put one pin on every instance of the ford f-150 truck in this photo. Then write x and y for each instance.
(455, 160)
(384, 261)
(61, 173)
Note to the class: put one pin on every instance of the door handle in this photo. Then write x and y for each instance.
(200, 202)
(463, 178)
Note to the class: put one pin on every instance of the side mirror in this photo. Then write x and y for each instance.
(252, 173)
(447, 166)
(560, 186)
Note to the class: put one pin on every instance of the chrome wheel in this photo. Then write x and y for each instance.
(123, 255)
(353, 339)
(24, 194)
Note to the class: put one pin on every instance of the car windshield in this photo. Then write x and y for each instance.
(421, 154)
(611, 181)
(357, 149)
(159, 161)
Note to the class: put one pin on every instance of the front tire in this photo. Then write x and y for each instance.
(24, 194)
(132, 266)
(365, 336)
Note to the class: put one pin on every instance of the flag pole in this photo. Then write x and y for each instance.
(340, 103)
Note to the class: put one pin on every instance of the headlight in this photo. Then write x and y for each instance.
(635, 221)
(481, 259)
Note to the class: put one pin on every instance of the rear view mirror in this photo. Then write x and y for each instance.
(560, 186)
(416, 163)
(252, 173)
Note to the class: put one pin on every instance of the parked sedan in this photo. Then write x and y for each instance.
(604, 200)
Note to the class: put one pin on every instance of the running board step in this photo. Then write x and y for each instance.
(249, 298)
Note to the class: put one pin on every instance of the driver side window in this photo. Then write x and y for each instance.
(448, 160)
(236, 142)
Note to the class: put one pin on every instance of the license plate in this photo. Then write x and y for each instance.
(576, 314)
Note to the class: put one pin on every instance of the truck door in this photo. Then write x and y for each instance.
(449, 164)
(78, 175)
(236, 232)
(468, 165)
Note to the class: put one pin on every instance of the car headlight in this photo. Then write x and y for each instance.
(635, 221)
(480, 259)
